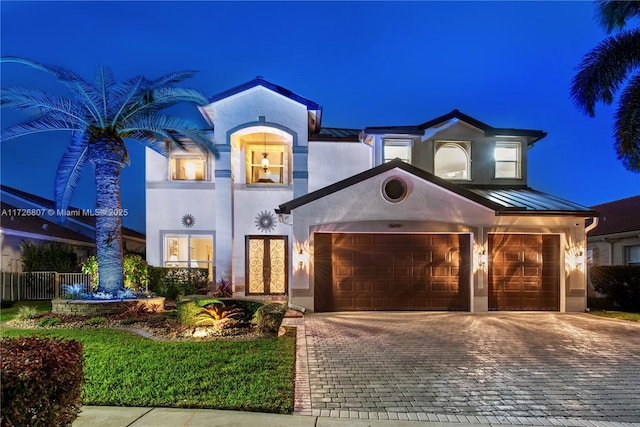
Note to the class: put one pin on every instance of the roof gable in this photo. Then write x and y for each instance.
(504, 200)
(260, 81)
(534, 135)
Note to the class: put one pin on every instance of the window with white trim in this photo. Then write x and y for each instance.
(267, 164)
(507, 157)
(452, 160)
(189, 250)
(394, 148)
(184, 167)
(632, 255)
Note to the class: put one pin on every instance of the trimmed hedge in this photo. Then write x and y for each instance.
(268, 318)
(41, 381)
(620, 284)
(171, 282)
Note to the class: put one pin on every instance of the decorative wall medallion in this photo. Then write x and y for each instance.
(266, 221)
(188, 221)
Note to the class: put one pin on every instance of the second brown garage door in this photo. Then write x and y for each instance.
(524, 272)
(391, 271)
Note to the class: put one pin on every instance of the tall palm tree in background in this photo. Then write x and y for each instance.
(100, 116)
(611, 65)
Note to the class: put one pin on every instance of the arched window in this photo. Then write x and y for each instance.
(452, 160)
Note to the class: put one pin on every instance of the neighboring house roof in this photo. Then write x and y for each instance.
(619, 216)
(260, 81)
(504, 200)
(38, 228)
(50, 204)
(535, 135)
(336, 134)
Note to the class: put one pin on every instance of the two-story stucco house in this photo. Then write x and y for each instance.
(436, 216)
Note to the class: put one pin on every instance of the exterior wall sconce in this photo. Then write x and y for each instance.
(300, 256)
(482, 259)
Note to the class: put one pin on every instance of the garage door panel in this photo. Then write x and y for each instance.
(397, 272)
(524, 272)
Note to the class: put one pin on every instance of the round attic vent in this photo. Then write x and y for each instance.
(394, 190)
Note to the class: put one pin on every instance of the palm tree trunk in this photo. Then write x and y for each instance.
(108, 217)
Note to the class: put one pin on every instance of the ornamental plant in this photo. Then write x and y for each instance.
(136, 275)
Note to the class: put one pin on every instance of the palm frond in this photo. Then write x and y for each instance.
(165, 126)
(126, 96)
(170, 78)
(69, 169)
(604, 69)
(103, 82)
(42, 102)
(627, 125)
(38, 125)
(160, 99)
(613, 15)
(78, 85)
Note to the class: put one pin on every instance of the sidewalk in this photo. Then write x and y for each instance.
(113, 416)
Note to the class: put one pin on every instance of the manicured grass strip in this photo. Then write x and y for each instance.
(124, 369)
(634, 317)
(9, 313)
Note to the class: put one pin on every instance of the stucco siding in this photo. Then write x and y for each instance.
(330, 162)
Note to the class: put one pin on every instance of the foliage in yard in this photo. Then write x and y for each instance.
(123, 369)
(10, 313)
(52, 256)
(171, 282)
(618, 283)
(135, 269)
(32, 371)
(268, 318)
(213, 310)
(26, 312)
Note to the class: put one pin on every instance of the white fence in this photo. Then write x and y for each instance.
(39, 284)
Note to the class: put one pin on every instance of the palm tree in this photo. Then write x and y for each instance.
(100, 116)
(612, 65)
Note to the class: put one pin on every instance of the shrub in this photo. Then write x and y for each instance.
(74, 291)
(618, 283)
(26, 312)
(52, 256)
(50, 321)
(187, 312)
(172, 282)
(135, 269)
(223, 289)
(32, 371)
(268, 318)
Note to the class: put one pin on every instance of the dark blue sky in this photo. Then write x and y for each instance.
(508, 64)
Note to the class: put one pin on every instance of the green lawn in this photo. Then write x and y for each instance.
(8, 313)
(124, 369)
(634, 317)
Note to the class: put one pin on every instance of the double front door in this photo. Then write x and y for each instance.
(267, 265)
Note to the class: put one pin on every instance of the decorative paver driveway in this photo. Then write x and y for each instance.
(515, 368)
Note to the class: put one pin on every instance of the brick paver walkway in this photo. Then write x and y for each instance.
(500, 368)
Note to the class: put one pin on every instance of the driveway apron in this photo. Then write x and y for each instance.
(515, 368)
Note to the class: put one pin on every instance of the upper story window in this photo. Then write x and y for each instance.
(267, 164)
(184, 167)
(397, 149)
(507, 156)
(452, 160)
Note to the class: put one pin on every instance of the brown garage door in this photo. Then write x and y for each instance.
(524, 272)
(391, 272)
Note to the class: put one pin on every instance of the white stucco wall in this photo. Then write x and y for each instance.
(332, 161)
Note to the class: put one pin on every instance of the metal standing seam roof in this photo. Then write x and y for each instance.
(528, 200)
(336, 133)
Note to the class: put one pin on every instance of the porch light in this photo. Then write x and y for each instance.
(265, 162)
(482, 259)
(300, 255)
